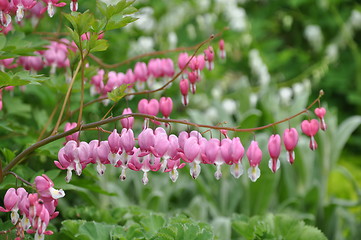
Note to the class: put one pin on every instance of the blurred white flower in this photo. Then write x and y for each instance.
(229, 105)
(146, 20)
(253, 99)
(259, 68)
(286, 95)
(332, 52)
(141, 46)
(314, 36)
(355, 19)
(172, 39)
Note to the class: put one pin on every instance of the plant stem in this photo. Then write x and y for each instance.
(66, 98)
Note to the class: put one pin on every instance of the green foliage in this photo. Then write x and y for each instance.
(20, 78)
(275, 227)
(136, 223)
(117, 94)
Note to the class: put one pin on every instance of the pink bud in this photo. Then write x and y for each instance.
(182, 60)
(114, 141)
(11, 199)
(184, 87)
(168, 67)
(141, 71)
(127, 140)
(209, 57)
(222, 51)
(254, 155)
(129, 121)
(146, 140)
(274, 149)
(166, 106)
(153, 107)
(75, 136)
(310, 128)
(290, 140)
(143, 106)
(320, 113)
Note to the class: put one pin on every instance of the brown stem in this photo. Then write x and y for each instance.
(19, 178)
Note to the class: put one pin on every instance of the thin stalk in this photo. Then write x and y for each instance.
(66, 98)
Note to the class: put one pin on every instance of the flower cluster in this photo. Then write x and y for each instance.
(19, 7)
(192, 74)
(36, 209)
(155, 150)
(142, 74)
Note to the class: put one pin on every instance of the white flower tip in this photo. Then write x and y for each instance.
(173, 175)
(14, 217)
(145, 179)
(254, 173)
(123, 175)
(195, 170)
(101, 169)
(56, 194)
(236, 170)
(51, 10)
(270, 165)
(68, 176)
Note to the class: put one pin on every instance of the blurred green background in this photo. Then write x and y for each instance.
(279, 55)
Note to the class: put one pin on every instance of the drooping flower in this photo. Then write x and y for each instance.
(310, 128)
(129, 121)
(115, 149)
(184, 88)
(50, 6)
(209, 57)
(74, 5)
(290, 140)
(222, 52)
(274, 149)
(320, 113)
(254, 155)
(44, 185)
(165, 106)
(232, 152)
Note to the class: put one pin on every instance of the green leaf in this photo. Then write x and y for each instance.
(117, 94)
(98, 45)
(2, 41)
(152, 223)
(118, 21)
(20, 78)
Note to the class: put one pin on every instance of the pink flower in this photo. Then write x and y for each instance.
(5, 17)
(155, 67)
(192, 153)
(320, 113)
(50, 6)
(74, 136)
(193, 78)
(222, 52)
(129, 121)
(209, 57)
(274, 149)
(144, 163)
(172, 166)
(166, 106)
(232, 152)
(184, 87)
(290, 140)
(74, 5)
(141, 72)
(183, 58)
(45, 189)
(310, 128)
(29, 63)
(197, 63)
(167, 67)
(115, 149)
(21, 5)
(254, 155)
(213, 155)
(146, 140)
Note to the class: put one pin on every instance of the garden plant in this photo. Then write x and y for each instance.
(180, 119)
